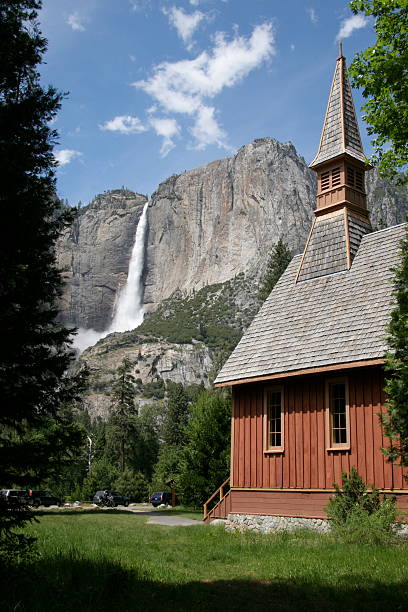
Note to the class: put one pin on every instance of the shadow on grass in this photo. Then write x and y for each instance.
(66, 585)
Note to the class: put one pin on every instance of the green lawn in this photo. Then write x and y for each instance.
(114, 561)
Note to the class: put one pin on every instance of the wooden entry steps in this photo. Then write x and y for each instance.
(219, 504)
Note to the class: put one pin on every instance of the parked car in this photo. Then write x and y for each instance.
(110, 498)
(15, 495)
(160, 497)
(42, 498)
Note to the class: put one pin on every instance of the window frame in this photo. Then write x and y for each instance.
(266, 421)
(330, 444)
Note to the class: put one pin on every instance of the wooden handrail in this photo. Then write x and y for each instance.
(220, 492)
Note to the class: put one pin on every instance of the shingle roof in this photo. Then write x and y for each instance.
(326, 251)
(340, 132)
(335, 319)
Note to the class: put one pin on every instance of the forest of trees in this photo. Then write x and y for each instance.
(184, 438)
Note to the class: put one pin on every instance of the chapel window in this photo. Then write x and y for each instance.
(338, 426)
(273, 415)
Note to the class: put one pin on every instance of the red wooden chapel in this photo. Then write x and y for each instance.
(307, 376)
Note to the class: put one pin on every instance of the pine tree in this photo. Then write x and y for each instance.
(176, 416)
(395, 422)
(123, 426)
(204, 463)
(34, 353)
(277, 264)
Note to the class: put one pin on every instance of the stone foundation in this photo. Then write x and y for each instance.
(269, 524)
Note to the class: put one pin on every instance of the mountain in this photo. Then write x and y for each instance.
(209, 224)
(205, 226)
(209, 235)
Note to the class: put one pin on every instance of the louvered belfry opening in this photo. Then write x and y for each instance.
(341, 217)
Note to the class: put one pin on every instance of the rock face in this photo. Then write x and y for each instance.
(94, 255)
(213, 222)
(388, 203)
(152, 361)
(205, 226)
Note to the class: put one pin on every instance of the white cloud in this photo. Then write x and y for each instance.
(76, 22)
(194, 2)
(292, 47)
(206, 130)
(168, 128)
(66, 156)
(184, 23)
(125, 124)
(312, 15)
(183, 87)
(347, 27)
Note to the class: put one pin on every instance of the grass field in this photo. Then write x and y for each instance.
(113, 561)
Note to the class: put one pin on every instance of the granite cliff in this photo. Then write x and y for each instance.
(205, 226)
(94, 255)
(211, 223)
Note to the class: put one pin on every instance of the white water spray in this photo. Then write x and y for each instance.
(129, 309)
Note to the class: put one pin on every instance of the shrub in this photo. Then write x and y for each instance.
(358, 515)
(362, 527)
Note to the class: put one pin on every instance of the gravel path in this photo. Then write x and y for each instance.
(155, 517)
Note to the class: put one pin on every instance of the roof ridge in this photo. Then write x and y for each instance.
(386, 229)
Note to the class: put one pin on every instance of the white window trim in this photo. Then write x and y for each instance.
(330, 445)
(273, 449)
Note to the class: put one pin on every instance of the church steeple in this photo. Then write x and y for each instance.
(341, 217)
(340, 134)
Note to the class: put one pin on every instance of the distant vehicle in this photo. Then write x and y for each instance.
(42, 498)
(31, 497)
(160, 497)
(15, 495)
(110, 498)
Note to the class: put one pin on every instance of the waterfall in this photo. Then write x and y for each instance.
(129, 306)
(129, 310)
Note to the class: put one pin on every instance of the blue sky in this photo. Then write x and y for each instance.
(157, 87)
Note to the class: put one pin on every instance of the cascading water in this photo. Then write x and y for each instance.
(129, 305)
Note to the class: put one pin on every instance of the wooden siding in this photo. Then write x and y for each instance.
(279, 503)
(305, 463)
(304, 504)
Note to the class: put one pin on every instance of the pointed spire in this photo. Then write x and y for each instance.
(340, 132)
(341, 216)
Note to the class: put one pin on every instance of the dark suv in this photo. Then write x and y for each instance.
(160, 497)
(31, 497)
(110, 498)
(42, 498)
(15, 495)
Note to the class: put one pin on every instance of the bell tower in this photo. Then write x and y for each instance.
(341, 216)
